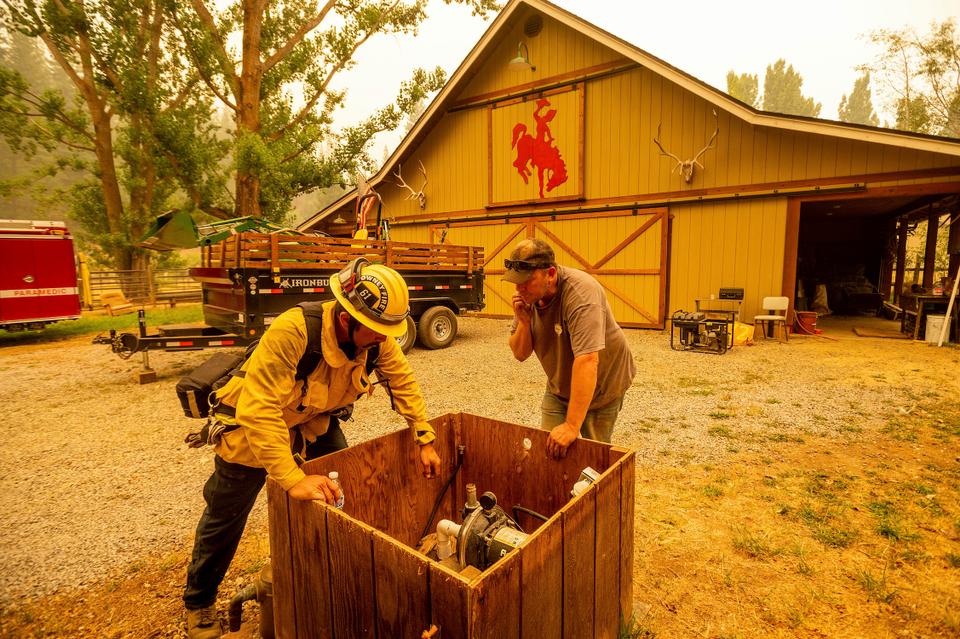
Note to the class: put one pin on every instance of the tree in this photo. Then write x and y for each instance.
(782, 92)
(858, 109)
(919, 76)
(138, 129)
(744, 87)
(292, 48)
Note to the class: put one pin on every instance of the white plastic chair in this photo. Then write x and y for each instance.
(773, 304)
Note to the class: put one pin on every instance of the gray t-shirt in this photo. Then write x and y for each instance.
(579, 320)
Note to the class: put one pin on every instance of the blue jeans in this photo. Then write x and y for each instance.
(597, 425)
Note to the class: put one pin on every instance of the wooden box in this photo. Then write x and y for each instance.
(353, 573)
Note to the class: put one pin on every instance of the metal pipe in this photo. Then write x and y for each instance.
(235, 612)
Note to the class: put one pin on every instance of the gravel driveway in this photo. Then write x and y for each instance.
(94, 473)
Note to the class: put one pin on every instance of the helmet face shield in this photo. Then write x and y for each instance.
(375, 295)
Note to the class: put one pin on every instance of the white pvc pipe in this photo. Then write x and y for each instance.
(446, 532)
(949, 315)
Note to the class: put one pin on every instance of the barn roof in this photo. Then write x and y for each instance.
(475, 60)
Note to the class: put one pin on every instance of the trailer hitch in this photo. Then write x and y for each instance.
(124, 345)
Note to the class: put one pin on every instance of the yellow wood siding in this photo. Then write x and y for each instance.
(730, 244)
(622, 114)
(725, 243)
(455, 158)
(556, 50)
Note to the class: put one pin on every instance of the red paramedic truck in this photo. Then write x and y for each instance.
(38, 275)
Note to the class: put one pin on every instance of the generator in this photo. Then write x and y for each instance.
(694, 331)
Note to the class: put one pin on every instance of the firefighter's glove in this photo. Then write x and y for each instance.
(198, 439)
(211, 433)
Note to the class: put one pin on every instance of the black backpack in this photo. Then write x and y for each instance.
(196, 389)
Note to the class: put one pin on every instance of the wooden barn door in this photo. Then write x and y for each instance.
(626, 251)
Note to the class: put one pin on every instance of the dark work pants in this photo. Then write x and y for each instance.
(230, 494)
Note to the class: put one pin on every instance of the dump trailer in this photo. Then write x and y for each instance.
(38, 275)
(249, 278)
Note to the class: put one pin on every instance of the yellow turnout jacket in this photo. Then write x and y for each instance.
(267, 398)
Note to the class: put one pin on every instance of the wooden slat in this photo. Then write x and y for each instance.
(281, 558)
(496, 601)
(449, 603)
(541, 582)
(402, 587)
(514, 475)
(274, 253)
(626, 242)
(311, 583)
(257, 250)
(627, 492)
(350, 547)
(579, 538)
(606, 600)
(383, 483)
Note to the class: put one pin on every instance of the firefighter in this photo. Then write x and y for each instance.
(562, 314)
(270, 418)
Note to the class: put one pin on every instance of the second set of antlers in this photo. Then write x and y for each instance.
(419, 196)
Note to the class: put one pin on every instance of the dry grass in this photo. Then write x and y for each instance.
(829, 537)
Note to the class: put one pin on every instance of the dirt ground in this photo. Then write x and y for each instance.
(805, 489)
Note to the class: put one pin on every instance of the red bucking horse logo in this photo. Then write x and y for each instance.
(540, 151)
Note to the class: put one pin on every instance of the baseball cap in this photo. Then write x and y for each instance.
(527, 256)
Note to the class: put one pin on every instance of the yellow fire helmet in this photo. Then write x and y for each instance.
(375, 295)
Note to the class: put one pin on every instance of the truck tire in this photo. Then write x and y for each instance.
(437, 327)
(406, 342)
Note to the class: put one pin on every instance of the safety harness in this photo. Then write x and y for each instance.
(214, 428)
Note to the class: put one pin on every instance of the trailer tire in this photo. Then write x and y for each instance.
(406, 342)
(437, 327)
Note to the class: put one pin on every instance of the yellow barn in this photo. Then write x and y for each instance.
(662, 187)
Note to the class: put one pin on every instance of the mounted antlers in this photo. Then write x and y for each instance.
(686, 166)
(417, 195)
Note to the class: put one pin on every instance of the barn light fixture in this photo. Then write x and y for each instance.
(339, 219)
(522, 61)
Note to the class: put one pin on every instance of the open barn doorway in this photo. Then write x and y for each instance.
(861, 256)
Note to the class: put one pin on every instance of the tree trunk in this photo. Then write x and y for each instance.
(248, 106)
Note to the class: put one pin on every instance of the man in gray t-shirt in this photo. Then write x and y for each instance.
(562, 314)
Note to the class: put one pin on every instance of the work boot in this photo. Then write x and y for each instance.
(203, 623)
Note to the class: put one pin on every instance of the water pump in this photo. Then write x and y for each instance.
(486, 535)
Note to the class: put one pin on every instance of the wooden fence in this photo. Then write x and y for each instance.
(151, 286)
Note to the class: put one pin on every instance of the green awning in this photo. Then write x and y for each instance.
(173, 230)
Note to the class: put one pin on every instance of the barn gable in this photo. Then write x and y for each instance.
(568, 151)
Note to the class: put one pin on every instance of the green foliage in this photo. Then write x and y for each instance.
(877, 588)
(858, 109)
(283, 150)
(913, 115)
(130, 133)
(782, 91)
(755, 546)
(744, 87)
(919, 77)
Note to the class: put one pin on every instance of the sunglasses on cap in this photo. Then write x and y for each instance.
(524, 265)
